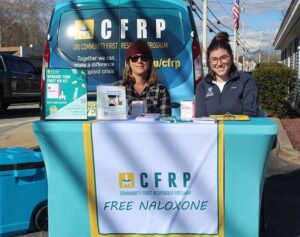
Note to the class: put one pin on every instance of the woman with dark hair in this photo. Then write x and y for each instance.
(224, 89)
(141, 80)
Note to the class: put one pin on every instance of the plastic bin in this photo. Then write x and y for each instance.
(23, 191)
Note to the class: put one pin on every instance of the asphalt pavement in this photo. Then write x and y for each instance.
(16, 126)
(281, 209)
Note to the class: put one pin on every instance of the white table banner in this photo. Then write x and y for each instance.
(156, 179)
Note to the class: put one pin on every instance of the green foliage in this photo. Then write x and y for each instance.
(275, 84)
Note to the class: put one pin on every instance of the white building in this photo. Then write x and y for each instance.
(288, 41)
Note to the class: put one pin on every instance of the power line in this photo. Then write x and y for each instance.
(244, 42)
(263, 2)
(209, 28)
(244, 45)
(202, 14)
(218, 21)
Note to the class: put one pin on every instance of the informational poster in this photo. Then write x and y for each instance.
(162, 190)
(111, 103)
(65, 94)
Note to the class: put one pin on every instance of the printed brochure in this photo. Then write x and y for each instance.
(111, 103)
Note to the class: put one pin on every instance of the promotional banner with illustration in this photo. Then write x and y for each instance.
(156, 180)
(66, 94)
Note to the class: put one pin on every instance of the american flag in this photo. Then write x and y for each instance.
(236, 14)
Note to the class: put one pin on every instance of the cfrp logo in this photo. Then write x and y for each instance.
(126, 180)
(155, 180)
(84, 29)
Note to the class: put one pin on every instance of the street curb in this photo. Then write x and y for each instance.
(20, 136)
(35, 147)
(284, 147)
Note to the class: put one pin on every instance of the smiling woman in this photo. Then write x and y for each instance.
(224, 89)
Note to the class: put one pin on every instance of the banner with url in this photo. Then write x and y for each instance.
(138, 191)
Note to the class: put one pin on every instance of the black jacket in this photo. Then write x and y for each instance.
(239, 96)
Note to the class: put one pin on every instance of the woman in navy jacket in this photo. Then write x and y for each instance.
(224, 89)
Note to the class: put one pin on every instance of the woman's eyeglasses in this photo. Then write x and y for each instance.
(144, 58)
(223, 59)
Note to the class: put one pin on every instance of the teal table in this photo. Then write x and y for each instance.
(246, 148)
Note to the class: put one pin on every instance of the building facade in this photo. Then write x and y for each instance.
(288, 41)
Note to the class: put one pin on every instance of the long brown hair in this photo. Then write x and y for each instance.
(221, 40)
(151, 79)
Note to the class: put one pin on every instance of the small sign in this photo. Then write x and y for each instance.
(66, 94)
(111, 103)
(187, 110)
(205, 70)
(91, 109)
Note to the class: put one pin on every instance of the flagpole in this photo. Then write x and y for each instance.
(236, 16)
(234, 45)
(204, 36)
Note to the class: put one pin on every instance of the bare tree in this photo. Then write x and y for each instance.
(24, 22)
(270, 56)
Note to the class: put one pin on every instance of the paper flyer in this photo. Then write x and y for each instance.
(111, 103)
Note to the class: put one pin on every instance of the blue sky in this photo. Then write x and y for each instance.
(259, 20)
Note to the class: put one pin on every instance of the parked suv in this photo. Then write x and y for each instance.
(94, 35)
(20, 81)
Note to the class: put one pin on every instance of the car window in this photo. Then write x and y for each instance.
(1, 65)
(20, 66)
(11, 64)
(27, 67)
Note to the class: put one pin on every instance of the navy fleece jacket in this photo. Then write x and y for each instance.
(239, 96)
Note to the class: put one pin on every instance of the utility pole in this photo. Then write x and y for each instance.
(204, 40)
(244, 51)
(298, 48)
(260, 45)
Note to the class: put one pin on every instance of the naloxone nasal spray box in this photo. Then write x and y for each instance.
(187, 110)
(139, 107)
